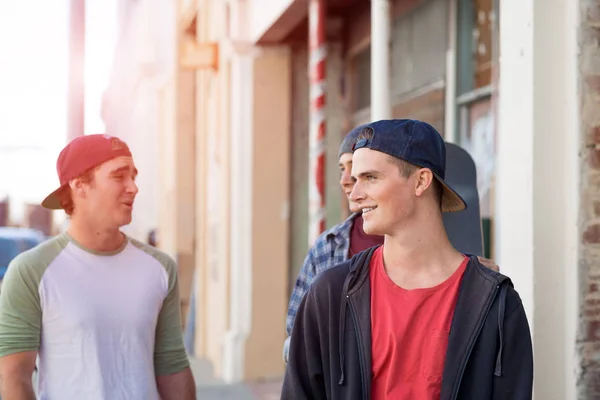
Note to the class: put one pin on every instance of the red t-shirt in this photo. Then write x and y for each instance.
(409, 330)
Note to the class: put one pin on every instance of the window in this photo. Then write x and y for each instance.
(419, 42)
(362, 79)
(477, 43)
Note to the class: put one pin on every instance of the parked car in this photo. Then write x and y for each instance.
(14, 241)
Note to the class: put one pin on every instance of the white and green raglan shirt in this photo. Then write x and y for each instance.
(104, 324)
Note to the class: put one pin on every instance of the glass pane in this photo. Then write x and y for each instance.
(419, 42)
(362, 63)
(482, 41)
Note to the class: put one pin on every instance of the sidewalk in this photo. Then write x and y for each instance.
(211, 388)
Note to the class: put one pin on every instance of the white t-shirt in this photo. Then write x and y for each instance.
(104, 324)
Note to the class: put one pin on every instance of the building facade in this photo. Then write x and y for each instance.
(224, 107)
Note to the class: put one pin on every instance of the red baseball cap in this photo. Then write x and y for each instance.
(80, 155)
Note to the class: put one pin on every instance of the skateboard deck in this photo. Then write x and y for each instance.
(463, 227)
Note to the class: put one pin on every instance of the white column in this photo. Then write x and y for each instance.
(240, 316)
(537, 179)
(450, 134)
(380, 60)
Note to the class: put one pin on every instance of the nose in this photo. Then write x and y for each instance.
(357, 194)
(132, 187)
(345, 179)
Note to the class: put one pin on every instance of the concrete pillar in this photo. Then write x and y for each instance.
(185, 206)
(260, 157)
(212, 197)
(203, 77)
(270, 211)
(536, 237)
(450, 134)
(380, 60)
(176, 230)
(240, 321)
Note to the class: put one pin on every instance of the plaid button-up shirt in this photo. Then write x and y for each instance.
(330, 249)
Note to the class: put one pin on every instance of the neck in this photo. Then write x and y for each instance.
(420, 244)
(95, 238)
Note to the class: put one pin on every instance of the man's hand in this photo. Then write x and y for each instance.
(491, 264)
(286, 349)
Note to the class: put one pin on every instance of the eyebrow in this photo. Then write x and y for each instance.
(125, 168)
(365, 173)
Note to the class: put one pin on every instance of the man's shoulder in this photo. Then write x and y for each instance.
(500, 281)
(37, 259)
(158, 255)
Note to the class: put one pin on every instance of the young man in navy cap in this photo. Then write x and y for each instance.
(338, 243)
(101, 310)
(413, 318)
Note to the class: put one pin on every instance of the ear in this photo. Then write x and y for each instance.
(423, 180)
(78, 187)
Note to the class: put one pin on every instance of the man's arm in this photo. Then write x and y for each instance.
(304, 373)
(513, 378)
(173, 376)
(177, 386)
(16, 372)
(20, 327)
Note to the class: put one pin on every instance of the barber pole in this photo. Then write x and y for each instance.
(316, 180)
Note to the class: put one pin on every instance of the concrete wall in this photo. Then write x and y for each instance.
(131, 106)
(270, 212)
(537, 196)
(242, 200)
(212, 196)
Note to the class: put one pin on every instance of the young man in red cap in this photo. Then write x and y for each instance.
(99, 309)
(413, 318)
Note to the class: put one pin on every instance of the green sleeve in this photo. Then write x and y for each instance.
(20, 309)
(169, 352)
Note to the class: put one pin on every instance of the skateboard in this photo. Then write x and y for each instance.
(463, 227)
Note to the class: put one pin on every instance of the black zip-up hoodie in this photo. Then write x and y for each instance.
(489, 353)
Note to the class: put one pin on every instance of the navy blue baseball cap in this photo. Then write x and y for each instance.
(417, 143)
(349, 140)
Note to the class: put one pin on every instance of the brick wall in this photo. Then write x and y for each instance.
(588, 340)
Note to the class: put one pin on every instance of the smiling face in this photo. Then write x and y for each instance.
(388, 199)
(107, 200)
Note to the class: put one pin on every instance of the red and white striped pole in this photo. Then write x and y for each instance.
(316, 143)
